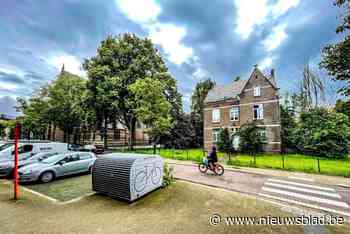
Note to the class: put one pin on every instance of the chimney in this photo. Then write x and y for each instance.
(272, 76)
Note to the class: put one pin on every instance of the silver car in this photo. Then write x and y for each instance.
(57, 166)
(7, 165)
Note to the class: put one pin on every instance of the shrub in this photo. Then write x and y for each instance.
(168, 177)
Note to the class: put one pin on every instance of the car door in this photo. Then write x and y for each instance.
(85, 161)
(72, 166)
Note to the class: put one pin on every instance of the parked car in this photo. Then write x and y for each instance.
(27, 149)
(97, 149)
(57, 166)
(7, 166)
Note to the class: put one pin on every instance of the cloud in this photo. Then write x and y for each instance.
(266, 63)
(169, 37)
(7, 106)
(282, 6)
(71, 63)
(140, 11)
(275, 39)
(249, 14)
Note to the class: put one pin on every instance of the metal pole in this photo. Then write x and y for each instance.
(318, 163)
(283, 160)
(15, 180)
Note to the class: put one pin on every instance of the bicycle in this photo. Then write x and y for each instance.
(204, 167)
(142, 177)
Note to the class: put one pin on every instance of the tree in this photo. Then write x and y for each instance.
(311, 90)
(197, 105)
(336, 57)
(251, 140)
(323, 133)
(343, 107)
(225, 142)
(64, 100)
(119, 63)
(2, 128)
(151, 106)
(288, 125)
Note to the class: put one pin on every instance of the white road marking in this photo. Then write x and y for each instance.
(302, 185)
(307, 197)
(284, 186)
(305, 204)
(300, 178)
(39, 194)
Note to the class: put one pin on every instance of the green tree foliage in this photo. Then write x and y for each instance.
(336, 57)
(65, 101)
(225, 142)
(323, 133)
(250, 139)
(2, 128)
(151, 106)
(197, 105)
(288, 125)
(343, 107)
(119, 63)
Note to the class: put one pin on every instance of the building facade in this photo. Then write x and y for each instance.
(230, 106)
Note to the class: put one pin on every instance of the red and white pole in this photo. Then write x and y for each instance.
(15, 178)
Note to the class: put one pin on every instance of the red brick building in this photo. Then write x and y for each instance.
(232, 105)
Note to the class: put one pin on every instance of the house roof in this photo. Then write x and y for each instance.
(222, 92)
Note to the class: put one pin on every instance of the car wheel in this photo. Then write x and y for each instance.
(47, 176)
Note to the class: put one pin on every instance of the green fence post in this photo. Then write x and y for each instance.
(318, 164)
(283, 161)
(173, 153)
(187, 153)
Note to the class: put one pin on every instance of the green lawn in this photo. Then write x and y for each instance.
(296, 162)
(292, 162)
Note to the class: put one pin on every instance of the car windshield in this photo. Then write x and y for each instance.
(53, 159)
(5, 146)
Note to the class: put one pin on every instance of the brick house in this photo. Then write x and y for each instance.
(230, 106)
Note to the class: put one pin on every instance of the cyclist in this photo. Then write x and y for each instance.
(212, 158)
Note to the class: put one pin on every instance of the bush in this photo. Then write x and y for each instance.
(168, 177)
(323, 133)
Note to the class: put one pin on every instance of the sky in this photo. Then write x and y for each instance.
(220, 39)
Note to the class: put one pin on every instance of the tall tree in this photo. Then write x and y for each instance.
(336, 57)
(64, 99)
(343, 107)
(197, 105)
(250, 139)
(151, 106)
(119, 63)
(311, 90)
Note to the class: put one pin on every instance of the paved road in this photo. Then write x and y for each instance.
(295, 190)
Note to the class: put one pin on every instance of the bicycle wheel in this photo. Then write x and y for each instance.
(156, 175)
(202, 167)
(219, 170)
(140, 181)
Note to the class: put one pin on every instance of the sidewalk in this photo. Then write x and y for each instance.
(326, 179)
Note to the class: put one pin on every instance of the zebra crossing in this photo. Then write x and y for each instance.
(303, 192)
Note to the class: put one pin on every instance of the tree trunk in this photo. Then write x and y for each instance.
(105, 134)
(54, 132)
(131, 134)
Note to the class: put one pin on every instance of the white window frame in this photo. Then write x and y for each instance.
(257, 91)
(216, 115)
(216, 135)
(234, 113)
(263, 134)
(260, 111)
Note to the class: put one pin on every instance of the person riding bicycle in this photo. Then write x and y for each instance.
(212, 158)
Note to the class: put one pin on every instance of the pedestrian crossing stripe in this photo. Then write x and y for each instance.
(300, 178)
(302, 185)
(307, 197)
(284, 186)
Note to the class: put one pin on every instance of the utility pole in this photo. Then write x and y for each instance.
(15, 180)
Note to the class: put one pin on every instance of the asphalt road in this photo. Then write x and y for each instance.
(297, 191)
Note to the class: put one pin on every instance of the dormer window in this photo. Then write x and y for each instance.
(257, 92)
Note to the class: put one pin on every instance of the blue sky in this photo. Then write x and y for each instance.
(220, 39)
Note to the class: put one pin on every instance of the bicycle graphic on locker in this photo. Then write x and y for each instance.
(152, 172)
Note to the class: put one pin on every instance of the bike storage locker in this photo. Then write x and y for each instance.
(127, 176)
